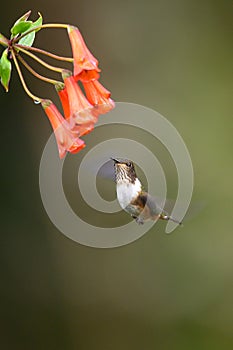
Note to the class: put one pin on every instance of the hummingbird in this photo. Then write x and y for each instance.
(131, 197)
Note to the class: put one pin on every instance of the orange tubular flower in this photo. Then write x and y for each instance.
(81, 130)
(87, 75)
(81, 111)
(83, 58)
(99, 97)
(67, 140)
(62, 93)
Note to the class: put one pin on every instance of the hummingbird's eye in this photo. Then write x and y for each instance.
(129, 164)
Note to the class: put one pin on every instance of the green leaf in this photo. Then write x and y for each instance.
(20, 28)
(5, 70)
(38, 22)
(29, 39)
(3, 40)
(21, 19)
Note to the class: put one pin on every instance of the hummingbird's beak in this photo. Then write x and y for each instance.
(115, 160)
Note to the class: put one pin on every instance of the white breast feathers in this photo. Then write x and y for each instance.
(127, 191)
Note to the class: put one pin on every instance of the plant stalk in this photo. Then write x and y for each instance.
(43, 63)
(28, 92)
(37, 75)
(43, 52)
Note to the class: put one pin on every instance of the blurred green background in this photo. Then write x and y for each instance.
(160, 292)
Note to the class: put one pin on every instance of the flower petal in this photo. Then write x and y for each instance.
(87, 75)
(83, 58)
(67, 140)
(81, 111)
(99, 97)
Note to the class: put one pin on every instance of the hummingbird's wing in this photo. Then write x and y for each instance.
(153, 203)
(166, 207)
(107, 171)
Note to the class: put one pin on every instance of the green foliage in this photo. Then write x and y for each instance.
(3, 40)
(20, 28)
(22, 25)
(5, 70)
(22, 19)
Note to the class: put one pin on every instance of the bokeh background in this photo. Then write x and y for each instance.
(160, 292)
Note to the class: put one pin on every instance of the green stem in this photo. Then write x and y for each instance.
(49, 25)
(37, 75)
(28, 92)
(43, 63)
(3, 41)
(43, 52)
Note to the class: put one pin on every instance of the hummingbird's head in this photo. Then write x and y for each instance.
(124, 170)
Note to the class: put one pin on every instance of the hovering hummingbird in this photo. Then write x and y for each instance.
(138, 203)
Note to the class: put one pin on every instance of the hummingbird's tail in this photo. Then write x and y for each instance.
(167, 217)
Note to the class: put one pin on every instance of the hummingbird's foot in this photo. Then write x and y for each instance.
(139, 220)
